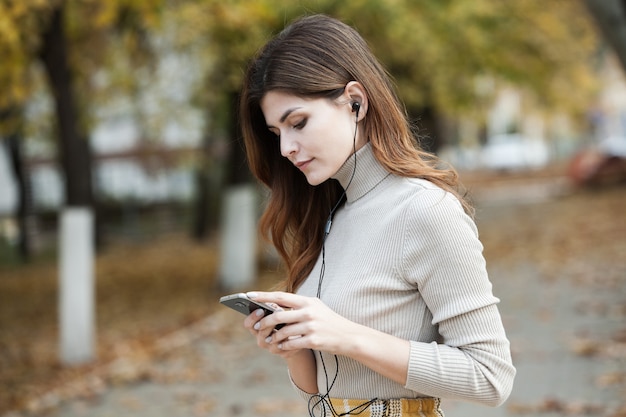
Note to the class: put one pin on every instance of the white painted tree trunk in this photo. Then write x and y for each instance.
(76, 286)
(239, 238)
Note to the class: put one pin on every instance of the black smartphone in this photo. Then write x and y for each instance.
(241, 303)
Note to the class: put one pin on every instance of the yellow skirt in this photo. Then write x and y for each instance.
(397, 407)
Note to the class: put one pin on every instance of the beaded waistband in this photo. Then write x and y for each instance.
(395, 407)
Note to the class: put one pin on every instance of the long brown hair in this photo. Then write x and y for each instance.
(316, 56)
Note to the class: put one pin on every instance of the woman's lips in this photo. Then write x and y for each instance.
(303, 164)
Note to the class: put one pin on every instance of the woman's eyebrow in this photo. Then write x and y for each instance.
(286, 114)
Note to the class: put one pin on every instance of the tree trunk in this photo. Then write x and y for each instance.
(610, 18)
(237, 169)
(208, 185)
(24, 209)
(76, 222)
(212, 178)
(239, 214)
(74, 154)
(200, 225)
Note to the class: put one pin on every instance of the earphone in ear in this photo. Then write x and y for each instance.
(356, 106)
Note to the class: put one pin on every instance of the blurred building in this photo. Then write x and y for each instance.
(516, 138)
(143, 146)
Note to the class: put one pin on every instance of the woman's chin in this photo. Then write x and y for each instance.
(315, 180)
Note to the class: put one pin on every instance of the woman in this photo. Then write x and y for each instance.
(387, 302)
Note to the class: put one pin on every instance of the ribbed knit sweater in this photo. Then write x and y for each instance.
(402, 257)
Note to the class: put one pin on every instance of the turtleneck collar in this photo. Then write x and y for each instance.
(368, 174)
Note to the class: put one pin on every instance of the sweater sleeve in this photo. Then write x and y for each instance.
(308, 398)
(442, 256)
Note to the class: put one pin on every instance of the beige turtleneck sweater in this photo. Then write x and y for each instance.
(402, 257)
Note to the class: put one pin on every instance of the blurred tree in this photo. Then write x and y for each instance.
(74, 41)
(34, 31)
(610, 17)
(225, 35)
(73, 147)
(23, 209)
(112, 56)
(19, 41)
(447, 57)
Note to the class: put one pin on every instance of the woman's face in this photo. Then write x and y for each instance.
(316, 135)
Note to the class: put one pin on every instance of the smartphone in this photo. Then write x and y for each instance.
(241, 303)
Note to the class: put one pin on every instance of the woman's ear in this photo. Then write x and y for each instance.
(356, 97)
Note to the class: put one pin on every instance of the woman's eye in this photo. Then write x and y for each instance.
(300, 125)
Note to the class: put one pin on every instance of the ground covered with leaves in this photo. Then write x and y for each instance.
(147, 292)
(143, 291)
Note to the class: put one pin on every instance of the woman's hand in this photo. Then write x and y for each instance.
(263, 335)
(308, 324)
(311, 325)
(299, 357)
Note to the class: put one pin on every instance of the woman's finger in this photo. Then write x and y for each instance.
(283, 299)
(252, 319)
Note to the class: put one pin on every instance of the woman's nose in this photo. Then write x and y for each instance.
(288, 146)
